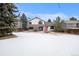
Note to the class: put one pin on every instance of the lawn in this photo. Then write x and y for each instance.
(40, 44)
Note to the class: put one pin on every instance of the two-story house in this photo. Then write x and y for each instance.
(71, 26)
(38, 24)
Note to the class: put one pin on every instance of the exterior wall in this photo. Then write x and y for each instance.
(18, 25)
(36, 22)
(35, 27)
(71, 27)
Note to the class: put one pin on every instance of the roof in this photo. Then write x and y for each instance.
(72, 21)
(36, 18)
(49, 23)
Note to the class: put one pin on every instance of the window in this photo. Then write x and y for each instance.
(30, 23)
(77, 25)
(52, 27)
(40, 22)
(30, 27)
(70, 25)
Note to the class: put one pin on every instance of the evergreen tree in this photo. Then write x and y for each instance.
(49, 20)
(24, 21)
(58, 24)
(73, 18)
(7, 18)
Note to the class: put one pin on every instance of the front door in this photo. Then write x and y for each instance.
(46, 28)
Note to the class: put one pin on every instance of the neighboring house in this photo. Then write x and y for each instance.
(18, 24)
(38, 24)
(71, 26)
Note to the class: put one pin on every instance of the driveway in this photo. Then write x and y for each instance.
(40, 44)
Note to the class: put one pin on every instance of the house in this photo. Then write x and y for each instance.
(71, 26)
(37, 24)
(18, 24)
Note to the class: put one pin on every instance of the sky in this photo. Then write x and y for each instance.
(49, 10)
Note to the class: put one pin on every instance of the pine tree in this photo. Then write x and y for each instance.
(24, 21)
(73, 19)
(58, 24)
(49, 20)
(7, 18)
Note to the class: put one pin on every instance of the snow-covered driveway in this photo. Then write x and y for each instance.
(40, 44)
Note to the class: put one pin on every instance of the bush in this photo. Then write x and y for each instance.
(35, 30)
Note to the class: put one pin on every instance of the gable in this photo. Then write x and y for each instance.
(36, 20)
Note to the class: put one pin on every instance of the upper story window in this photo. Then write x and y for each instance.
(70, 25)
(40, 22)
(30, 22)
(77, 25)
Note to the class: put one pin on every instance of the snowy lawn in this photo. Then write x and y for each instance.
(40, 44)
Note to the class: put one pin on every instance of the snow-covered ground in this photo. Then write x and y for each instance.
(40, 44)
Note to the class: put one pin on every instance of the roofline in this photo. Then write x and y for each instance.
(36, 17)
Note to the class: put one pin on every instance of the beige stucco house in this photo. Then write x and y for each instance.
(71, 26)
(18, 24)
(37, 24)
